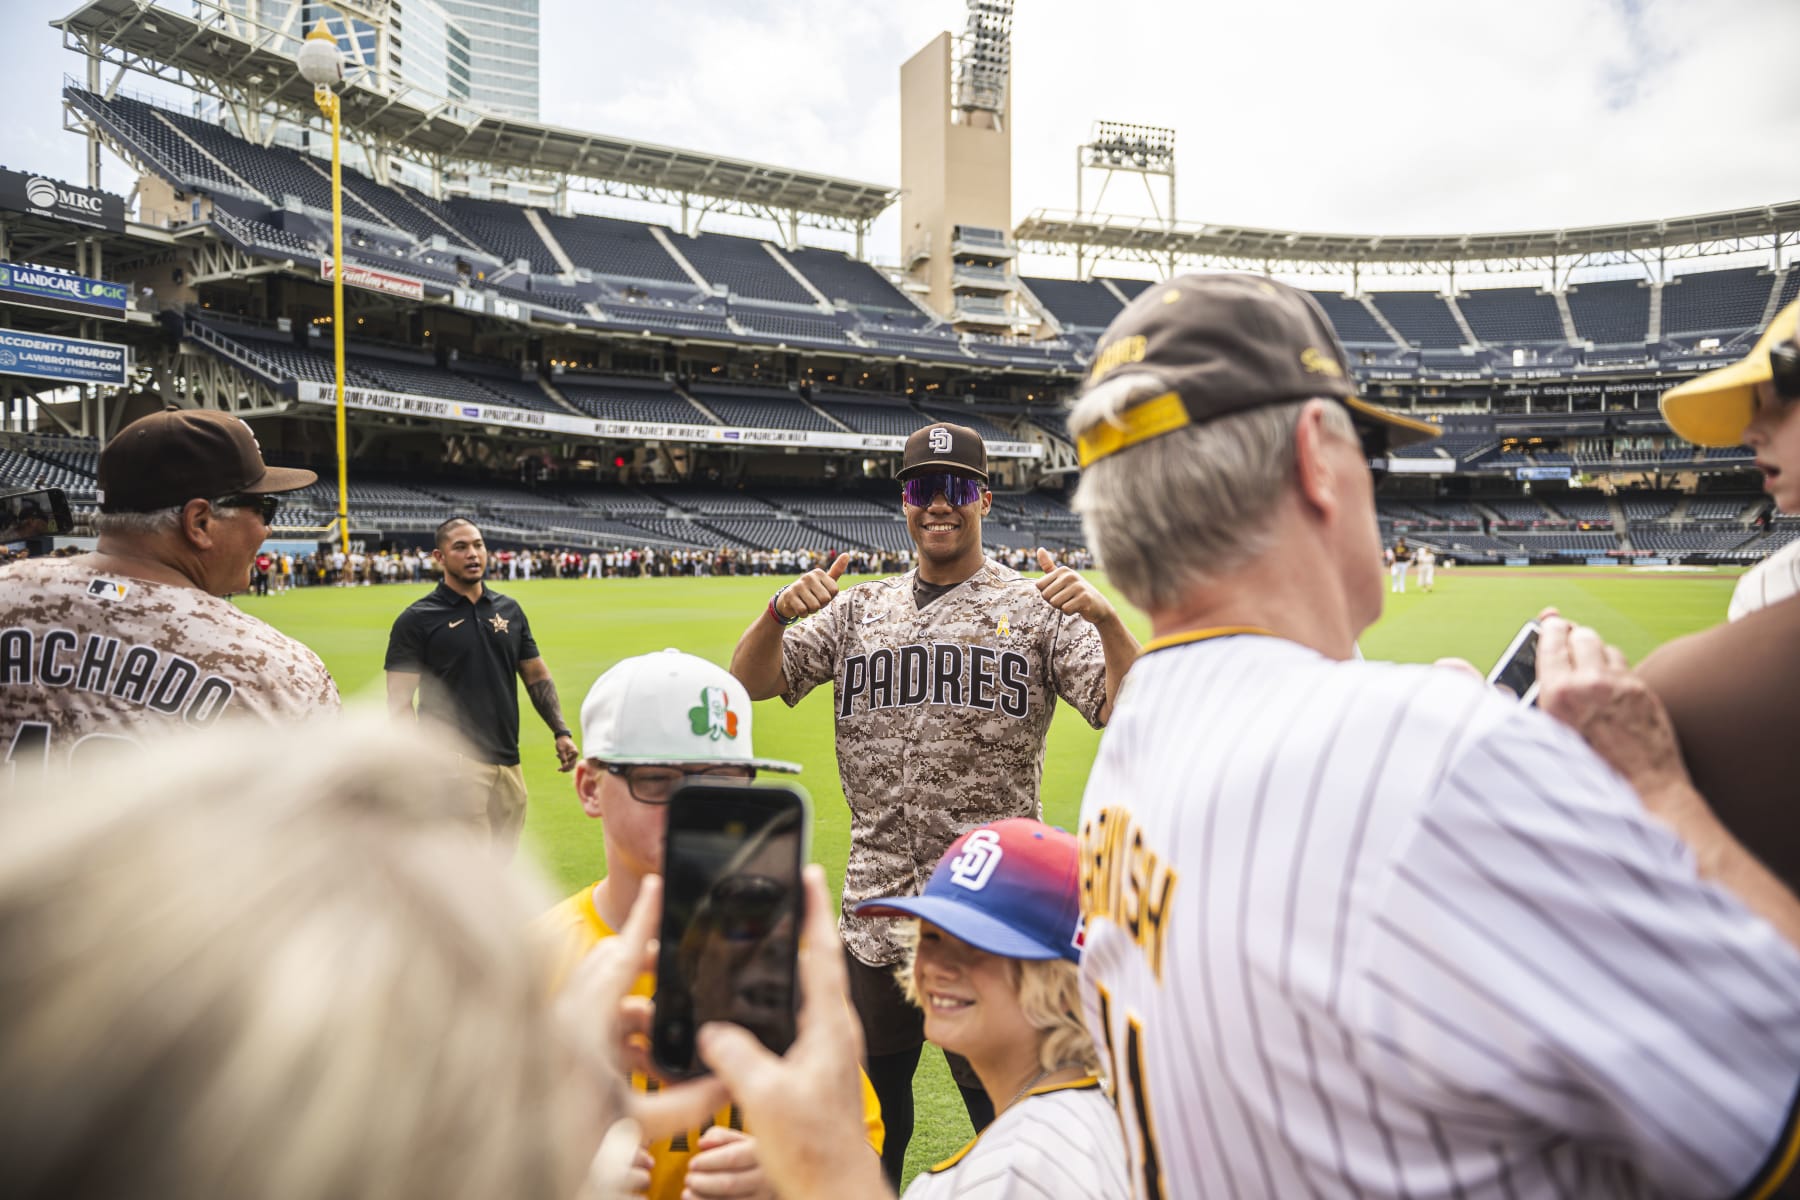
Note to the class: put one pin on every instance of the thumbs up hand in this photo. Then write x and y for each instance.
(812, 591)
(1065, 590)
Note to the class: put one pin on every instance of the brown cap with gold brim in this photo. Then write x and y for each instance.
(1223, 344)
(1714, 409)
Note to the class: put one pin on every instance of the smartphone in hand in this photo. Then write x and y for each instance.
(1516, 671)
(730, 936)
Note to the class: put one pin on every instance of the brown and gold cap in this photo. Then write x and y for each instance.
(181, 454)
(944, 447)
(1222, 344)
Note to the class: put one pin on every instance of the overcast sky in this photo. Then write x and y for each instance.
(1373, 116)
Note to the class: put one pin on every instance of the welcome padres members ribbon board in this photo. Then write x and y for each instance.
(520, 418)
(75, 360)
(61, 291)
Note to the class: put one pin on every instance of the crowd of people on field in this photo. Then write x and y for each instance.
(274, 572)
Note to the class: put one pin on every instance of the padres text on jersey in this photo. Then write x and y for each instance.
(941, 715)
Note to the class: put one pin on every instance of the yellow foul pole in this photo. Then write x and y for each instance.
(328, 103)
(337, 319)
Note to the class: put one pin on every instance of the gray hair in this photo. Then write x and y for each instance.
(1186, 507)
(154, 523)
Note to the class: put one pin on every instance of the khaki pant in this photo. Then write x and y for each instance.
(500, 790)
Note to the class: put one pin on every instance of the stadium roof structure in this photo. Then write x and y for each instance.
(1145, 239)
(216, 51)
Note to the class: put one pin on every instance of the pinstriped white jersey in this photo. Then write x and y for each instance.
(1359, 929)
(1059, 1141)
(1770, 581)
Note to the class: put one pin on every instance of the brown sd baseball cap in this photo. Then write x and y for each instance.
(945, 447)
(1222, 344)
(181, 454)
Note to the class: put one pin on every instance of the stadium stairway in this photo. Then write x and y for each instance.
(681, 260)
(835, 423)
(1387, 326)
(782, 260)
(1777, 290)
(1654, 333)
(1462, 322)
(1568, 318)
(536, 221)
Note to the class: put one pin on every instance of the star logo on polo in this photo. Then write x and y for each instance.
(498, 622)
(712, 717)
(974, 866)
(939, 440)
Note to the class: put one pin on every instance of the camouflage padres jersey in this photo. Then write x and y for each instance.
(941, 718)
(86, 656)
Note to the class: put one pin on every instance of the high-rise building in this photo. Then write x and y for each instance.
(503, 54)
(409, 44)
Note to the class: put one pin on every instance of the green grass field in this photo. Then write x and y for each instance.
(584, 626)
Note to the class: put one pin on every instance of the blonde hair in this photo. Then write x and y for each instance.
(1049, 992)
(1188, 506)
(272, 963)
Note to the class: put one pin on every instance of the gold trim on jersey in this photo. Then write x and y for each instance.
(1780, 1164)
(1086, 1081)
(1203, 635)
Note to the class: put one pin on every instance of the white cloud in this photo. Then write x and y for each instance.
(1376, 116)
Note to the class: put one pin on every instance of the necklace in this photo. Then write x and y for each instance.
(1042, 1075)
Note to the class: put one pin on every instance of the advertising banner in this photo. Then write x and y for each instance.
(1544, 473)
(374, 281)
(40, 287)
(60, 201)
(76, 360)
(551, 422)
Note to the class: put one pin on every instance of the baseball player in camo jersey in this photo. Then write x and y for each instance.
(135, 639)
(944, 682)
(1367, 929)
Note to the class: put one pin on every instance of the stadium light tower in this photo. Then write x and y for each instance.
(984, 61)
(322, 65)
(1142, 150)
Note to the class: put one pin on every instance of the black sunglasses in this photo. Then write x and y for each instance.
(1784, 369)
(266, 506)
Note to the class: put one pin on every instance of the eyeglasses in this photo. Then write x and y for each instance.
(1375, 450)
(654, 785)
(266, 506)
(958, 490)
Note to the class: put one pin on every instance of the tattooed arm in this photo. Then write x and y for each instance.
(542, 690)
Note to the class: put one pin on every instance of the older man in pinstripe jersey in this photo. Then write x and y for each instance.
(1372, 930)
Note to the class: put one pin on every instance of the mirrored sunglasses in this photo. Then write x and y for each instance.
(957, 490)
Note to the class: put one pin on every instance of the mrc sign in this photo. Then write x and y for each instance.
(45, 197)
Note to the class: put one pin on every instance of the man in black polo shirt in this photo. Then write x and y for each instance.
(460, 648)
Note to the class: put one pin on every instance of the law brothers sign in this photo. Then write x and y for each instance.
(39, 287)
(74, 360)
(61, 201)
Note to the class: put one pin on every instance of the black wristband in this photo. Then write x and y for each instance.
(562, 733)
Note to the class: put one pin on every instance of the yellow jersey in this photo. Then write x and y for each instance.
(571, 930)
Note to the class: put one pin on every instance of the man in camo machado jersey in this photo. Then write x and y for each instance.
(945, 679)
(134, 639)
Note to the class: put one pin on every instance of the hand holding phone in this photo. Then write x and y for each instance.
(1516, 672)
(729, 937)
